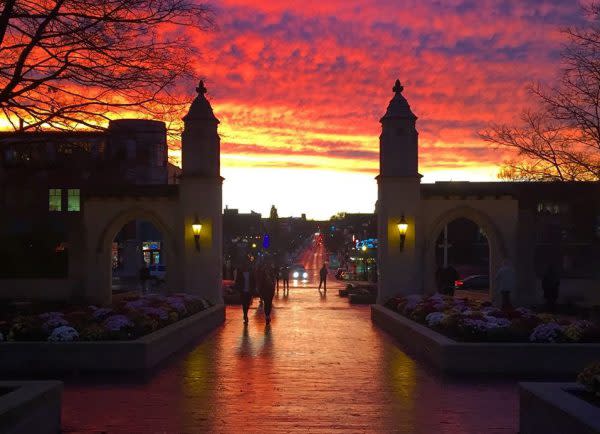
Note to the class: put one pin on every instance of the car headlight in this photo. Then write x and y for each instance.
(295, 275)
(305, 275)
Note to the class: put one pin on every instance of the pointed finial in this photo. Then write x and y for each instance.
(398, 87)
(201, 89)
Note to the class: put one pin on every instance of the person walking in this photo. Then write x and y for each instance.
(277, 277)
(144, 275)
(285, 278)
(266, 289)
(323, 278)
(243, 286)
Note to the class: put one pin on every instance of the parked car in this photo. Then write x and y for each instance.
(158, 271)
(298, 272)
(477, 281)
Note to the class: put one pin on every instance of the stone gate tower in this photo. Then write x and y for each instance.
(200, 198)
(399, 197)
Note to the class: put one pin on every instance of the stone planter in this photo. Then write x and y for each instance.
(550, 408)
(483, 358)
(30, 407)
(137, 355)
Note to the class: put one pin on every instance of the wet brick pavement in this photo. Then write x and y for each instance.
(321, 367)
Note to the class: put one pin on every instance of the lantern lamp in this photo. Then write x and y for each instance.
(196, 229)
(402, 229)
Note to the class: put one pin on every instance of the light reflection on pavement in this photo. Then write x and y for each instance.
(320, 367)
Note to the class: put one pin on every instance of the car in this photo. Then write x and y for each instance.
(298, 272)
(158, 271)
(477, 281)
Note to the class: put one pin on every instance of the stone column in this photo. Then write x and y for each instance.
(399, 194)
(400, 271)
(200, 201)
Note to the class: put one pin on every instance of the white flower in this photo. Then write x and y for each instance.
(495, 322)
(412, 301)
(490, 310)
(155, 311)
(115, 323)
(548, 332)
(435, 318)
(524, 312)
(102, 312)
(136, 304)
(63, 334)
(54, 322)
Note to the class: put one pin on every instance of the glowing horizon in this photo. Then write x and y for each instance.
(299, 88)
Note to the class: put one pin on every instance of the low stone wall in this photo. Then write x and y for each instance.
(108, 356)
(549, 408)
(475, 358)
(30, 407)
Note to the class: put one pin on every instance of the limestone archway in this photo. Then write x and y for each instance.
(105, 218)
(496, 243)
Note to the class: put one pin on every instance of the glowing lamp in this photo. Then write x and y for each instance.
(402, 229)
(196, 229)
(364, 248)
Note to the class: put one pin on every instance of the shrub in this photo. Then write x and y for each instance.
(26, 329)
(590, 378)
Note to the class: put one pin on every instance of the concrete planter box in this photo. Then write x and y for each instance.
(108, 356)
(477, 358)
(549, 408)
(30, 407)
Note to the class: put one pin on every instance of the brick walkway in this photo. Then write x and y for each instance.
(320, 368)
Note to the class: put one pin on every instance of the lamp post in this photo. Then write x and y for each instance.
(402, 229)
(196, 229)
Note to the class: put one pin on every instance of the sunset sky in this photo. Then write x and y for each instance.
(299, 88)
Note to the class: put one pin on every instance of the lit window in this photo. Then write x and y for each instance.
(55, 199)
(73, 202)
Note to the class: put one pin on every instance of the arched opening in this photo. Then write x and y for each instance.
(138, 258)
(125, 226)
(462, 259)
(473, 229)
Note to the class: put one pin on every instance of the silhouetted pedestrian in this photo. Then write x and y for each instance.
(144, 276)
(323, 278)
(450, 276)
(285, 278)
(277, 277)
(243, 286)
(266, 289)
(550, 285)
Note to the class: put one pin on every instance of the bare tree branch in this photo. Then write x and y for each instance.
(561, 140)
(73, 63)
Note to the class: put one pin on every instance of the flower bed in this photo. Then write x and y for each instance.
(469, 321)
(127, 319)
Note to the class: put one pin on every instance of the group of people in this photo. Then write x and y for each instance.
(262, 280)
(258, 280)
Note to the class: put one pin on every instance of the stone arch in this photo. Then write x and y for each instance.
(112, 228)
(109, 218)
(496, 243)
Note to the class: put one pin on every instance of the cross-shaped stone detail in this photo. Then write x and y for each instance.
(398, 87)
(201, 89)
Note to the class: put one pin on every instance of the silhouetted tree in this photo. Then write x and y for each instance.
(561, 140)
(70, 63)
